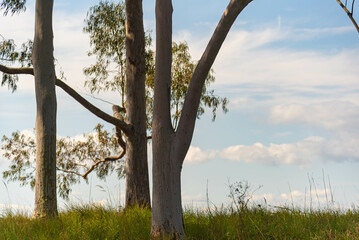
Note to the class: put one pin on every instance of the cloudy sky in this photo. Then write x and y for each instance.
(290, 70)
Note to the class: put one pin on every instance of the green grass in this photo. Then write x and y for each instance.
(94, 222)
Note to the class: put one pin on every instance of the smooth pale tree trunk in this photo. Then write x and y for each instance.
(169, 147)
(44, 72)
(166, 197)
(137, 180)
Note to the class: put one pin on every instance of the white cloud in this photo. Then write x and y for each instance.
(196, 155)
(300, 153)
(333, 115)
(266, 197)
(254, 56)
(313, 198)
(197, 200)
(339, 118)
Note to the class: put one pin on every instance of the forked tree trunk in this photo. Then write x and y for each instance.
(137, 180)
(44, 72)
(167, 219)
(169, 147)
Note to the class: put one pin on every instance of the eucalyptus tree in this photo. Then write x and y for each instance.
(105, 24)
(44, 73)
(45, 77)
(122, 59)
(170, 146)
(130, 73)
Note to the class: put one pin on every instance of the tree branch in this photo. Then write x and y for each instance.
(189, 113)
(22, 70)
(107, 159)
(163, 63)
(69, 171)
(117, 114)
(126, 128)
(350, 14)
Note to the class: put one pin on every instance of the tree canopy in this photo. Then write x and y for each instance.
(77, 158)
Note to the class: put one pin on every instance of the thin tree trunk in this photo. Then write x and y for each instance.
(44, 72)
(137, 180)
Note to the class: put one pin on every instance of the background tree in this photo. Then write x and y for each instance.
(170, 146)
(105, 23)
(76, 159)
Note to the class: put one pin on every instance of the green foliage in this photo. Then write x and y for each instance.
(13, 6)
(9, 53)
(98, 222)
(74, 158)
(105, 24)
(182, 71)
(21, 150)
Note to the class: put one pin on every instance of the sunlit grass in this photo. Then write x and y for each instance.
(98, 222)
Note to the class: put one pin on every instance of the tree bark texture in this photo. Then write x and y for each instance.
(167, 221)
(169, 147)
(44, 72)
(137, 180)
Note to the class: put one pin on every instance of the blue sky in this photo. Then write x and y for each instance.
(290, 71)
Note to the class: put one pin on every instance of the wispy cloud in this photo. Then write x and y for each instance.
(301, 153)
(309, 199)
(196, 155)
(333, 115)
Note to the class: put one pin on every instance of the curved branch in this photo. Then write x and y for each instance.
(350, 14)
(69, 171)
(107, 159)
(126, 128)
(117, 114)
(186, 123)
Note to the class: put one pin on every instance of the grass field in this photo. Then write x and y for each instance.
(96, 222)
